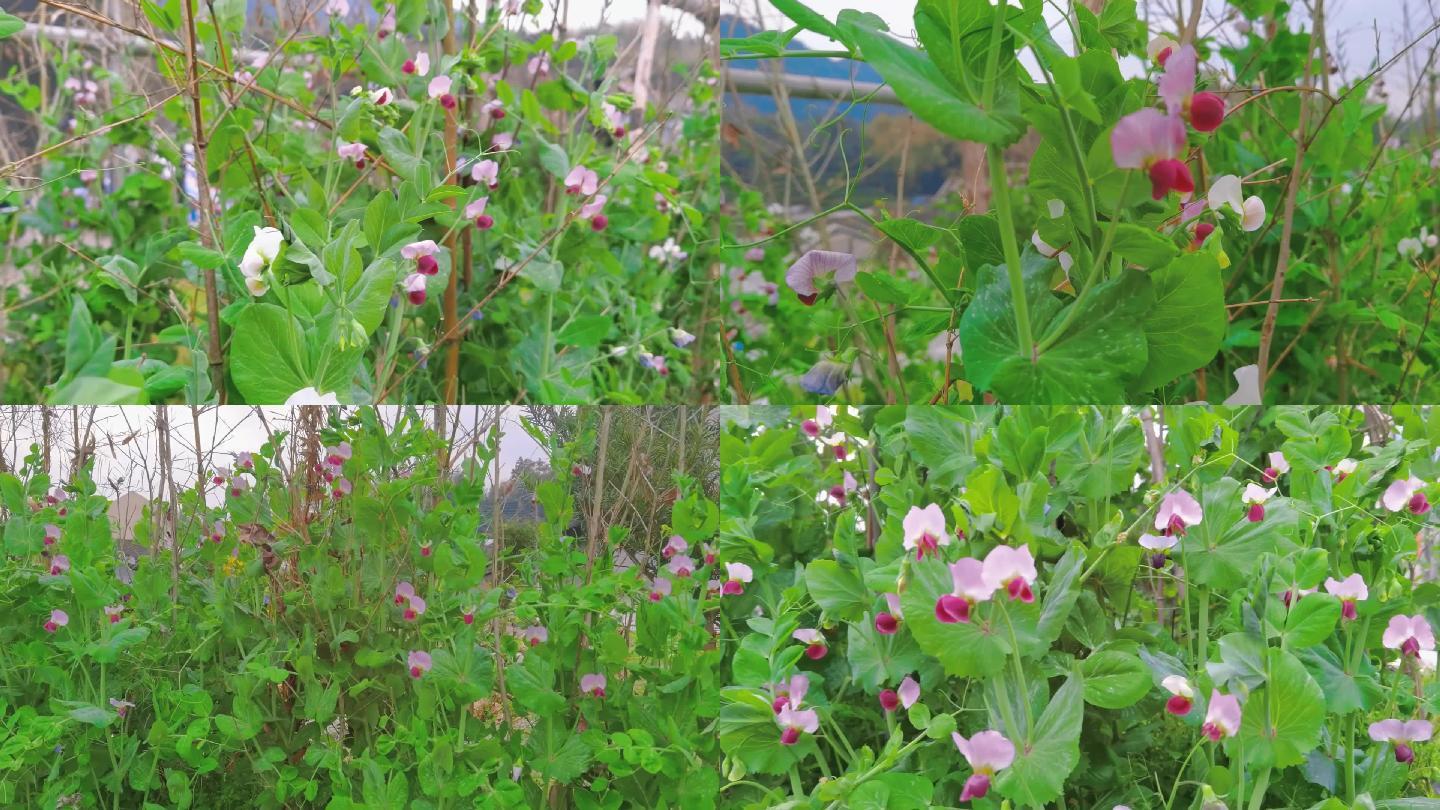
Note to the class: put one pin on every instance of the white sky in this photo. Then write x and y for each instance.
(125, 441)
(588, 13)
(1354, 27)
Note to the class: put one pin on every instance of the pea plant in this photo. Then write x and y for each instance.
(357, 635)
(1200, 216)
(991, 607)
(399, 203)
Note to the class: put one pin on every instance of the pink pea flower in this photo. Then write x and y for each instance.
(888, 622)
(404, 592)
(1254, 498)
(440, 89)
(217, 532)
(709, 553)
(415, 288)
(1406, 494)
(579, 469)
(495, 109)
(660, 588)
(387, 23)
(737, 574)
(121, 706)
(680, 338)
(614, 118)
(681, 566)
(1350, 590)
(539, 64)
(59, 564)
(419, 663)
(592, 211)
(425, 550)
(114, 612)
(1295, 594)
(381, 97)
(988, 752)
(755, 254)
(245, 460)
(414, 609)
(89, 175)
(354, 152)
(503, 141)
(423, 252)
(535, 635)
(486, 171)
(909, 692)
(675, 545)
(1160, 48)
(419, 65)
(58, 619)
(1182, 695)
(468, 615)
(593, 684)
(581, 181)
(889, 700)
(969, 586)
(814, 642)
(818, 264)
(476, 207)
(220, 475)
(52, 534)
(1222, 719)
(1343, 468)
(1409, 635)
(239, 486)
(1150, 140)
(1011, 569)
(1177, 88)
(792, 719)
(343, 487)
(1402, 733)
(925, 530)
(1178, 510)
(1159, 546)
(1278, 467)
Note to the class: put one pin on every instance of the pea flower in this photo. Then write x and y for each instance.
(814, 642)
(593, 684)
(245, 460)
(1406, 494)
(494, 108)
(1278, 466)
(404, 592)
(680, 338)
(792, 719)
(1350, 590)
(264, 247)
(581, 181)
(1225, 193)
(709, 553)
(486, 171)
(1295, 594)
(468, 615)
(414, 285)
(1409, 635)
(909, 692)
(822, 420)
(1402, 734)
(1177, 88)
(353, 152)
(535, 635)
(969, 587)
(1011, 569)
(737, 574)
(592, 211)
(419, 663)
(1182, 695)
(1254, 497)
(1178, 510)
(987, 752)
(121, 706)
(925, 530)
(1343, 468)
(817, 264)
(682, 566)
(58, 619)
(475, 210)
(114, 612)
(1150, 140)
(423, 252)
(343, 487)
(675, 545)
(1160, 545)
(419, 65)
(381, 97)
(659, 589)
(888, 621)
(59, 564)
(217, 532)
(1160, 48)
(440, 89)
(889, 700)
(503, 141)
(1222, 719)
(52, 534)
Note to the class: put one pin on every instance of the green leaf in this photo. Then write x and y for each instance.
(1186, 325)
(881, 287)
(266, 355)
(1311, 620)
(1041, 765)
(1225, 549)
(808, 18)
(1115, 679)
(838, 589)
(10, 25)
(1143, 246)
(925, 90)
(973, 649)
(876, 659)
(911, 233)
(1281, 722)
(586, 330)
(1092, 357)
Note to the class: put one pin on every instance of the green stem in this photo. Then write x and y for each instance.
(1073, 311)
(1180, 774)
(995, 157)
(1350, 759)
(1261, 784)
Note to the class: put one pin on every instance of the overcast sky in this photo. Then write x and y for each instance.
(125, 440)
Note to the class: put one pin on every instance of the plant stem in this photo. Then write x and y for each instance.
(1180, 774)
(995, 157)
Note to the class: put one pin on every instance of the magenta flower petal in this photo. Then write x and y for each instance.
(1146, 136)
(817, 264)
